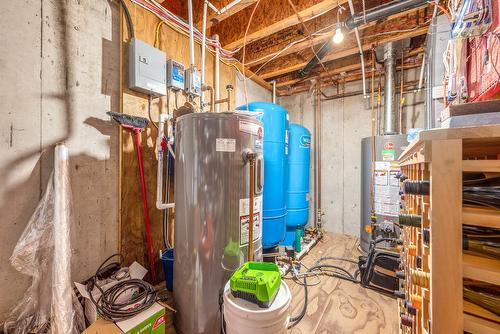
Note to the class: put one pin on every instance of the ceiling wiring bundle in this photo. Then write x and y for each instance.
(177, 23)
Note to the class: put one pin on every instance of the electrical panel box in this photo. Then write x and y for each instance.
(175, 75)
(147, 68)
(193, 82)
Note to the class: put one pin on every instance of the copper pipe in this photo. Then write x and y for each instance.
(379, 102)
(212, 96)
(250, 206)
(372, 94)
(227, 100)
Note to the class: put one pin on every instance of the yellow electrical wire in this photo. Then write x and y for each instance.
(177, 29)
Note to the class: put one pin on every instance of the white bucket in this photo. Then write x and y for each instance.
(243, 317)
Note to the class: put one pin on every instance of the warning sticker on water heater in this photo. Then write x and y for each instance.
(225, 145)
(386, 190)
(251, 128)
(245, 219)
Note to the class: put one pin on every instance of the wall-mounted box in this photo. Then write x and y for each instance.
(147, 68)
(175, 75)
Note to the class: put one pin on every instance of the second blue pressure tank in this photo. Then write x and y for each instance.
(298, 181)
(275, 148)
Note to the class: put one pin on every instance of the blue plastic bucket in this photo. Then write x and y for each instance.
(167, 258)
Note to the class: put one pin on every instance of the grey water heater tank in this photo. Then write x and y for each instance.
(386, 187)
(211, 212)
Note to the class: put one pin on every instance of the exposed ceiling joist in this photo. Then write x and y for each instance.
(336, 54)
(306, 15)
(329, 73)
(214, 18)
(262, 57)
(345, 68)
(349, 78)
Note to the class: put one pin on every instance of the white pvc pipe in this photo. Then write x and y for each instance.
(159, 172)
(191, 32)
(229, 6)
(286, 268)
(203, 49)
(358, 40)
(223, 9)
(217, 74)
(421, 79)
(213, 8)
(274, 91)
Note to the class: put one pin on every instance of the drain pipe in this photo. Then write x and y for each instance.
(356, 20)
(382, 12)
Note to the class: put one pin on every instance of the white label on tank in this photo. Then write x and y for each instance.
(386, 188)
(245, 219)
(225, 145)
(308, 197)
(251, 128)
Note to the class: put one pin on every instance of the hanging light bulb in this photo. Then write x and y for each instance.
(339, 36)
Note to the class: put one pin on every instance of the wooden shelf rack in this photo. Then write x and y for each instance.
(442, 156)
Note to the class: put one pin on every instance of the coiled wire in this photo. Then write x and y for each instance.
(142, 296)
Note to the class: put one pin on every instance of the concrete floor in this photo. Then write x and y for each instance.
(339, 306)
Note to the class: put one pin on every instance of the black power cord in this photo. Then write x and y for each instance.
(143, 294)
(129, 19)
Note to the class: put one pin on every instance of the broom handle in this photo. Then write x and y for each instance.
(145, 204)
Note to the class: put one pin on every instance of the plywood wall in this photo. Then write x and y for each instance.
(176, 45)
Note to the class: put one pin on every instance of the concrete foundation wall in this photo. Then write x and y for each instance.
(345, 122)
(60, 69)
(254, 91)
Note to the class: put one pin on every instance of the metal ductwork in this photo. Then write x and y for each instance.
(390, 112)
(382, 12)
(356, 20)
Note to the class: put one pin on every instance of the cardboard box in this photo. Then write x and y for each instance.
(150, 321)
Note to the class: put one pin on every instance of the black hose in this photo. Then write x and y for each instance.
(296, 319)
(129, 19)
(348, 276)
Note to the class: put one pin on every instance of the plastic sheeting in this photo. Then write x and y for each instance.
(49, 305)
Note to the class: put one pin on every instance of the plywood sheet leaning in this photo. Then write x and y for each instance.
(176, 45)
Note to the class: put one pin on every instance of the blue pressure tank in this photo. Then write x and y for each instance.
(298, 181)
(275, 148)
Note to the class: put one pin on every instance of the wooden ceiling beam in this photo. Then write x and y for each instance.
(336, 54)
(306, 14)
